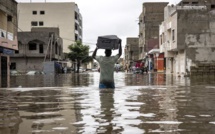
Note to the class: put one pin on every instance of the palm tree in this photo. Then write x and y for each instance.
(79, 53)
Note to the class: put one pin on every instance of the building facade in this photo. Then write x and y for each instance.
(210, 4)
(35, 48)
(8, 38)
(187, 36)
(132, 50)
(149, 21)
(65, 16)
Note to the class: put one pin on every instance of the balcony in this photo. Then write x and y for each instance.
(10, 44)
(169, 25)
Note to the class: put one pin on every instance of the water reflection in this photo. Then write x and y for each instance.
(106, 113)
(61, 80)
(9, 115)
(72, 103)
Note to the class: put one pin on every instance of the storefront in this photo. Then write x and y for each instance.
(157, 60)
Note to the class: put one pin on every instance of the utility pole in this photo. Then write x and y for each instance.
(51, 46)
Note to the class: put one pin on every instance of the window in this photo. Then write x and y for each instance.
(194, 3)
(76, 37)
(76, 15)
(9, 18)
(41, 23)
(42, 12)
(13, 66)
(76, 26)
(173, 34)
(16, 51)
(2, 34)
(141, 49)
(185, 3)
(34, 12)
(32, 46)
(34, 23)
(41, 48)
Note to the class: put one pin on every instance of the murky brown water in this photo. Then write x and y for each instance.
(72, 103)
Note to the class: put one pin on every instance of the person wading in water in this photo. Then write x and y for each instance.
(107, 63)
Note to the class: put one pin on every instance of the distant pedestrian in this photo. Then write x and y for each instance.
(146, 66)
(142, 67)
(117, 66)
(127, 67)
(65, 69)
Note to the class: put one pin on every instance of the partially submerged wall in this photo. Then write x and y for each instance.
(196, 34)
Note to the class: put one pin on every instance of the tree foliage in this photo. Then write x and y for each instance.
(79, 53)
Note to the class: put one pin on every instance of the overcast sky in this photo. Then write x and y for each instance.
(107, 17)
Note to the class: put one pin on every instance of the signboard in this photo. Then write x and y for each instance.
(6, 51)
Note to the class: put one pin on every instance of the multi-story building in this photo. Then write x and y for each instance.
(132, 50)
(8, 37)
(187, 36)
(65, 16)
(35, 48)
(149, 20)
(210, 4)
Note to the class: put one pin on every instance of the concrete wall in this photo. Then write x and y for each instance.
(207, 3)
(199, 39)
(28, 64)
(60, 15)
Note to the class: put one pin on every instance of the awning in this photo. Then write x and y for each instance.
(153, 51)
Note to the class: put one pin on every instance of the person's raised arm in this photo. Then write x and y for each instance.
(120, 49)
(94, 53)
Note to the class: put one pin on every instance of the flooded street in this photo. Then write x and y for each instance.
(72, 103)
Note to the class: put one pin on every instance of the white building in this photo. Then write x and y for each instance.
(187, 38)
(65, 16)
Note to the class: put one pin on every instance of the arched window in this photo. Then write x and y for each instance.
(36, 45)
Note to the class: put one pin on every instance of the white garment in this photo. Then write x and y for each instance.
(107, 68)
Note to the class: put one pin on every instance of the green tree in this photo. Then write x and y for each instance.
(79, 53)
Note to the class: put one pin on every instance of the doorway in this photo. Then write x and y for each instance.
(4, 71)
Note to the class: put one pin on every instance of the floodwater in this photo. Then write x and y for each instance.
(73, 104)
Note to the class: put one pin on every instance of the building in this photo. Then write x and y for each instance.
(187, 37)
(210, 4)
(65, 16)
(35, 48)
(8, 38)
(149, 20)
(132, 50)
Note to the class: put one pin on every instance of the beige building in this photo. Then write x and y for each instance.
(149, 21)
(131, 50)
(8, 38)
(187, 37)
(65, 16)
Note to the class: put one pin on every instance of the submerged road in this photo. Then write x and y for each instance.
(72, 103)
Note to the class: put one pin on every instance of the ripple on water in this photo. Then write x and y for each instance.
(162, 122)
